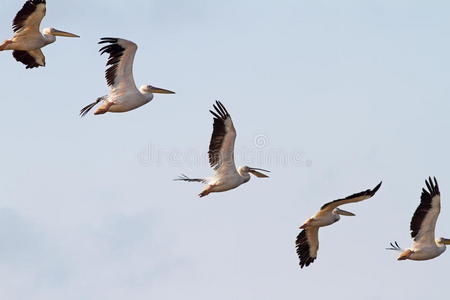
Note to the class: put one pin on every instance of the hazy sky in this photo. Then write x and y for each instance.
(331, 96)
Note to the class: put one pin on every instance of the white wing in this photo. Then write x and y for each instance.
(119, 75)
(423, 222)
(307, 244)
(221, 146)
(328, 207)
(30, 16)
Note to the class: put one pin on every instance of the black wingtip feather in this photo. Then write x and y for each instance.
(214, 114)
(219, 131)
(222, 108)
(25, 58)
(426, 201)
(108, 40)
(375, 189)
(88, 107)
(27, 9)
(369, 192)
(302, 249)
(220, 111)
(394, 246)
(184, 177)
(115, 52)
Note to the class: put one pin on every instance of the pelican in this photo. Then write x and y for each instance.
(422, 226)
(221, 157)
(123, 94)
(307, 242)
(28, 41)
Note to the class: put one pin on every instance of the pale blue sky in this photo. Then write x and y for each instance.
(332, 96)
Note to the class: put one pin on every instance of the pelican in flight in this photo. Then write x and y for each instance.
(221, 157)
(123, 94)
(28, 41)
(422, 226)
(307, 242)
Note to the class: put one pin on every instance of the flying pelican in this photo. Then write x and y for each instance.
(307, 242)
(422, 226)
(123, 94)
(221, 157)
(28, 41)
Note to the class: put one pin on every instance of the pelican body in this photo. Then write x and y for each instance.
(423, 225)
(123, 95)
(307, 242)
(28, 41)
(221, 157)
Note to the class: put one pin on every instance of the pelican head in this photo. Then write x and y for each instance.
(343, 212)
(443, 241)
(149, 89)
(246, 169)
(56, 32)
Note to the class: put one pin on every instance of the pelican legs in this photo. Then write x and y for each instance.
(104, 108)
(206, 191)
(405, 255)
(203, 194)
(5, 44)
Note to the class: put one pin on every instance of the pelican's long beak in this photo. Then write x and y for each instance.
(158, 90)
(446, 241)
(344, 212)
(63, 33)
(255, 172)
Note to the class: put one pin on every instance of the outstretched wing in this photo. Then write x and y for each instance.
(353, 198)
(423, 222)
(32, 58)
(30, 16)
(119, 74)
(221, 146)
(307, 245)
